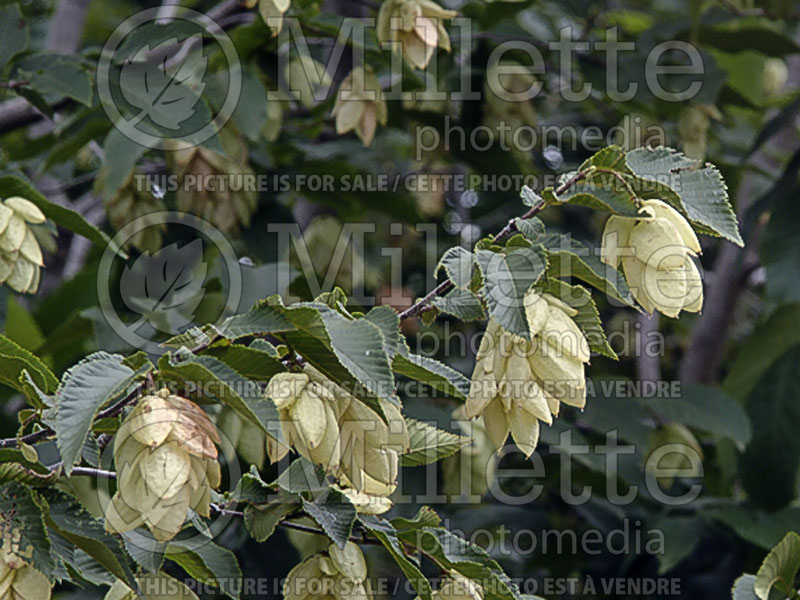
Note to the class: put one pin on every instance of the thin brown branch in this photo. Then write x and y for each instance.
(91, 472)
(42, 434)
(423, 303)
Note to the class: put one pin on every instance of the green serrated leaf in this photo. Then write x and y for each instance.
(57, 75)
(433, 373)
(429, 444)
(20, 511)
(457, 263)
(10, 471)
(334, 513)
(454, 552)
(461, 304)
(73, 522)
(14, 359)
(387, 535)
(254, 490)
(529, 197)
(14, 33)
(85, 388)
(302, 476)
(386, 319)
(425, 517)
(209, 563)
(507, 276)
(262, 520)
(145, 550)
(698, 192)
(531, 228)
(348, 351)
(568, 257)
(606, 187)
(779, 569)
(252, 363)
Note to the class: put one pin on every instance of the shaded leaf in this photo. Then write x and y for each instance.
(85, 388)
(429, 444)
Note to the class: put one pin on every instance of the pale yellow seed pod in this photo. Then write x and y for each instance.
(360, 106)
(20, 254)
(656, 251)
(272, 12)
(284, 388)
(349, 561)
(164, 467)
(18, 579)
(458, 587)
(416, 27)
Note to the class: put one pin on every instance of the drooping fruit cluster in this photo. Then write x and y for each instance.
(214, 186)
(20, 255)
(457, 587)
(359, 105)
(656, 250)
(338, 574)
(272, 12)
(332, 428)
(18, 579)
(166, 462)
(129, 204)
(508, 109)
(519, 382)
(693, 125)
(416, 26)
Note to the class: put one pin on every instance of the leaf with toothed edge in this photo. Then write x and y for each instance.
(699, 192)
(334, 513)
(85, 388)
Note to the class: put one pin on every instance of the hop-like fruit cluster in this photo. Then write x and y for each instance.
(338, 574)
(214, 186)
(249, 440)
(18, 579)
(417, 26)
(693, 125)
(457, 587)
(20, 255)
(509, 108)
(332, 428)
(308, 80)
(166, 464)
(272, 12)
(129, 204)
(656, 250)
(470, 471)
(366, 504)
(519, 382)
(774, 76)
(359, 105)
